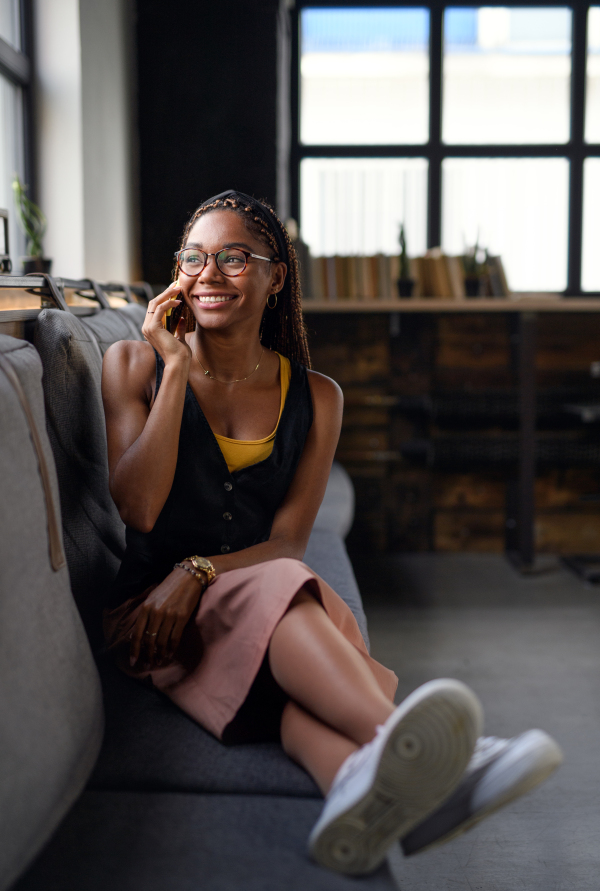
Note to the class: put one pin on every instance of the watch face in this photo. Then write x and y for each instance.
(206, 565)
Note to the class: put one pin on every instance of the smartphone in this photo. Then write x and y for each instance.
(174, 316)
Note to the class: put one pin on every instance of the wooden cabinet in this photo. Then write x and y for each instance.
(451, 378)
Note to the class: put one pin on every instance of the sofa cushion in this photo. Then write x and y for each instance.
(71, 351)
(110, 325)
(151, 745)
(50, 698)
(137, 314)
(336, 513)
(326, 554)
(131, 841)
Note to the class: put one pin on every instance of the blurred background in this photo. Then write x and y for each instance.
(474, 129)
(457, 121)
(438, 165)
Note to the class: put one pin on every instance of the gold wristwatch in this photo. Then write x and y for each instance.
(203, 565)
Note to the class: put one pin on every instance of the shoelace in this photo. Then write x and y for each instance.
(355, 761)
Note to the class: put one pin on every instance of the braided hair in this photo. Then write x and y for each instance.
(282, 328)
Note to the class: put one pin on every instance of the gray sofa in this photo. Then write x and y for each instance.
(154, 802)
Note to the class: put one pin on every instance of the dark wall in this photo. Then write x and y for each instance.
(206, 112)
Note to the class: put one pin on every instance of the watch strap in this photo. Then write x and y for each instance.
(197, 575)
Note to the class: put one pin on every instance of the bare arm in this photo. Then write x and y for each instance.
(143, 441)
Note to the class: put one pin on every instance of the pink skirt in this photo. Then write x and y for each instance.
(226, 640)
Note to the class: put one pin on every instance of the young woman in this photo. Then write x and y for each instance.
(220, 443)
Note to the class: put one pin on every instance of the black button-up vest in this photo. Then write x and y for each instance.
(209, 510)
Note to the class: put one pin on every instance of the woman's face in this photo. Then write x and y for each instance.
(218, 300)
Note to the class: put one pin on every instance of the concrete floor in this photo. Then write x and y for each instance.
(530, 649)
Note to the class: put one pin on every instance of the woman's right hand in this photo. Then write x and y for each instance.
(162, 618)
(143, 427)
(170, 347)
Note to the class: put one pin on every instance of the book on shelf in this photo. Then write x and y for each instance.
(314, 285)
(385, 288)
(349, 278)
(353, 277)
(438, 274)
(305, 266)
(330, 278)
(444, 276)
(456, 276)
(365, 278)
(496, 284)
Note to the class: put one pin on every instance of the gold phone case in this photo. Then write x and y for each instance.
(173, 317)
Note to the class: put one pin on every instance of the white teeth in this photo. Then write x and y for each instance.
(220, 299)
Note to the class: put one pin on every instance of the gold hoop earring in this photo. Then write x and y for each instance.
(269, 297)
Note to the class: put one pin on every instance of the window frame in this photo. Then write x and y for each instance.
(576, 150)
(17, 67)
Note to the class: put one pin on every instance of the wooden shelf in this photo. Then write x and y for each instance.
(517, 303)
(29, 313)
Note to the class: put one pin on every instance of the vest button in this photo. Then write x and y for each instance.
(228, 487)
(227, 515)
(225, 549)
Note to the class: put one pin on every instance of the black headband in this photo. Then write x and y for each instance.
(260, 210)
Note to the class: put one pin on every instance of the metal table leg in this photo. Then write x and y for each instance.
(520, 513)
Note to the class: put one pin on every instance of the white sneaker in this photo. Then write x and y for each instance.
(499, 771)
(389, 785)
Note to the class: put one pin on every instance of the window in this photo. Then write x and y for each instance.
(14, 80)
(518, 207)
(591, 226)
(463, 123)
(590, 277)
(364, 76)
(592, 111)
(354, 205)
(506, 75)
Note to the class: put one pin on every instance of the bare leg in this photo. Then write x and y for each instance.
(318, 748)
(320, 670)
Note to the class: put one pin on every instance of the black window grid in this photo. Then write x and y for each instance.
(17, 67)
(575, 151)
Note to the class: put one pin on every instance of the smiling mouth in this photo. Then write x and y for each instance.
(217, 298)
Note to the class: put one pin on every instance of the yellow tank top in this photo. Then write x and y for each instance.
(240, 453)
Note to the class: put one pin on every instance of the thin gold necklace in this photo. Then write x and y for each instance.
(237, 379)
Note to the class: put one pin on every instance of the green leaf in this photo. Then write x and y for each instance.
(32, 220)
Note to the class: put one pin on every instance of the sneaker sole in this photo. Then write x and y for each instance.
(422, 761)
(549, 758)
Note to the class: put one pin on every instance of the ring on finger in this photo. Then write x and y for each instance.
(151, 633)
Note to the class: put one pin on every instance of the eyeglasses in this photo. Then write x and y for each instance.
(230, 261)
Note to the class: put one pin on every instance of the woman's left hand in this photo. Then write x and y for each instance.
(162, 618)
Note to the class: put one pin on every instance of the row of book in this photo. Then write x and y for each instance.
(375, 278)
(439, 275)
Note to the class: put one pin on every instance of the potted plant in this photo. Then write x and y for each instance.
(33, 223)
(405, 282)
(474, 270)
